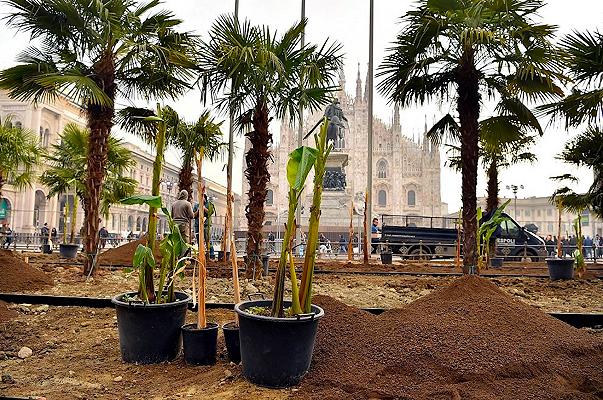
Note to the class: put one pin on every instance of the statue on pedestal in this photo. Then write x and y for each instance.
(337, 123)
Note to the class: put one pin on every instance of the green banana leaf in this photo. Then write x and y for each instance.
(301, 161)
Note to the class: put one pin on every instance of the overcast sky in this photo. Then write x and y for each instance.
(346, 21)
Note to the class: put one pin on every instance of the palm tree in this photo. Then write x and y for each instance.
(67, 170)
(584, 57)
(189, 138)
(264, 74)
(92, 52)
(19, 155)
(460, 50)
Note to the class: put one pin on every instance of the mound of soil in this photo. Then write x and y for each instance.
(18, 276)
(123, 255)
(6, 314)
(467, 341)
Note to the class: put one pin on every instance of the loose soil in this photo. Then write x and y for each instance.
(121, 255)
(76, 356)
(467, 341)
(18, 276)
(6, 314)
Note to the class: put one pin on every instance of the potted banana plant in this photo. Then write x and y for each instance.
(277, 337)
(149, 320)
(486, 244)
(69, 250)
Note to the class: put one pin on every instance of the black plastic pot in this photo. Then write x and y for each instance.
(496, 262)
(46, 249)
(560, 268)
(68, 250)
(231, 338)
(265, 264)
(276, 352)
(150, 333)
(200, 344)
(386, 257)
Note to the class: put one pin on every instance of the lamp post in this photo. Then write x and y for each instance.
(514, 188)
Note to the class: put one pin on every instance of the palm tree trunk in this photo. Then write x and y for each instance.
(492, 200)
(258, 177)
(185, 178)
(100, 122)
(468, 106)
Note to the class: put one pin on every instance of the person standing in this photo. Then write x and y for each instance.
(53, 236)
(8, 240)
(44, 231)
(182, 214)
(104, 234)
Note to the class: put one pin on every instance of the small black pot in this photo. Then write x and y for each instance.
(68, 250)
(496, 262)
(231, 337)
(200, 344)
(386, 257)
(265, 263)
(221, 255)
(46, 249)
(560, 268)
(276, 352)
(150, 333)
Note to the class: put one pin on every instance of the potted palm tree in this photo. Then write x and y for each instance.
(277, 337)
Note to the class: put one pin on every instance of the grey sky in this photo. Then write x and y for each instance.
(346, 21)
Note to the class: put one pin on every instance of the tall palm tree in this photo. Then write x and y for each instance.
(189, 138)
(264, 75)
(68, 166)
(584, 57)
(92, 52)
(459, 50)
(19, 155)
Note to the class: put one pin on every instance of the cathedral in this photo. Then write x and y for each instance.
(406, 172)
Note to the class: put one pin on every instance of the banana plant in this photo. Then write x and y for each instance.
(301, 161)
(170, 248)
(578, 254)
(485, 231)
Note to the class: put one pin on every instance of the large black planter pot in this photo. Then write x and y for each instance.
(231, 338)
(386, 257)
(200, 344)
(150, 333)
(276, 352)
(68, 250)
(560, 268)
(496, 262)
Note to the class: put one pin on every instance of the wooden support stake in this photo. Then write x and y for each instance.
(201, 318)
(235, 277)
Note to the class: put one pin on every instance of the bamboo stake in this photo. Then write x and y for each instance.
(351, 234)
(366, 241)
(559, 230)
(201, 319)
(235, 276)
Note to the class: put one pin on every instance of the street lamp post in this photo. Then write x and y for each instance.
(514, 188)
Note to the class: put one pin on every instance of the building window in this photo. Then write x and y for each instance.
(138, 224)
(527, 213)
(549, 212)
(539, 213)
(382, 198)
(411, 198)
(382, 169)
(269, 197)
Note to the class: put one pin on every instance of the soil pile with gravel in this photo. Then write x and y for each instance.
(6, 314)
(18, 276)
(467, 341)
(123, 255)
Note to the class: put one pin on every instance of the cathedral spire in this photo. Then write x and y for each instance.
(425, 139)
(396, 123)
(358, 87)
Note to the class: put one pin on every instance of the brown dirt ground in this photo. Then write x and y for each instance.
(76, 356)
(580, 295)
(467, 341)
(6, 314)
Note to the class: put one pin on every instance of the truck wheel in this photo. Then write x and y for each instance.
(418, 254)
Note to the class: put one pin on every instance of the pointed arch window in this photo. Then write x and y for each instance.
(382, 169)
(411, 198)
(382, 198)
